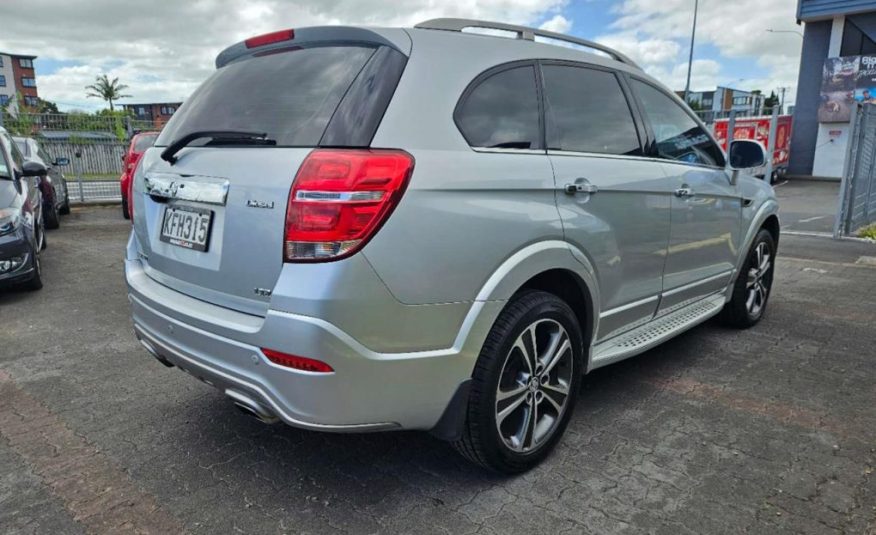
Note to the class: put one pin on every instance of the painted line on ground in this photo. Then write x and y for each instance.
(98, 494)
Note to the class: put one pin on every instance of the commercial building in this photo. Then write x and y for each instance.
(17, 75)
(719, 102)
(837, 70)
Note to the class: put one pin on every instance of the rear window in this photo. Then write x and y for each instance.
(290, 95)
(144, 141)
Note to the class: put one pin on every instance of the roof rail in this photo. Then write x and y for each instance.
(523, 32)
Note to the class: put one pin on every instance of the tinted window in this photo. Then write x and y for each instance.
(144, 141)
(678, 136)
(290, 95)
(586, 111)
(502, 111)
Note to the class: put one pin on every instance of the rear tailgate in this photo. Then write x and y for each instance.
(243, 238)
(211, 224)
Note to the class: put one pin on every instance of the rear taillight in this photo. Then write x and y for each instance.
(269, 38)
(296, 362)
(339, 200)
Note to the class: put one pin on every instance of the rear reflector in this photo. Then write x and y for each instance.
(296, 362)
(268, 38)
(339, 200)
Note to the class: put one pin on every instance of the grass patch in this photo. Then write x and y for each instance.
(868, 232)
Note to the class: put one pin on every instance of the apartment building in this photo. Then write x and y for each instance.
(156, 112)
(17, 75)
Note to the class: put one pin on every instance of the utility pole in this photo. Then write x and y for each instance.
(693, 34)
(782, 101)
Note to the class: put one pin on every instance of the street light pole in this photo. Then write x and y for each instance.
(693, 34)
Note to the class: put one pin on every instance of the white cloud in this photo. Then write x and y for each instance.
(165, 48)
(558, 23)
(657, 34)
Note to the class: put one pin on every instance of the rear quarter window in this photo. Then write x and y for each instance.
(289, 94)
(501, 110)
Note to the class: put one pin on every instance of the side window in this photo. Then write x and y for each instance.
(586, 111)
(5, 171)
(17, 158)
(502, 111)
(678, 136)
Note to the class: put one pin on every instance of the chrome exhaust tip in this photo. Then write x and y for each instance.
(251, 407)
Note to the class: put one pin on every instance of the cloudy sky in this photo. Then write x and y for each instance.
(164, 48)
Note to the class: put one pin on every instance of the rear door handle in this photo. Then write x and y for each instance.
(581, 185)
(684, 192)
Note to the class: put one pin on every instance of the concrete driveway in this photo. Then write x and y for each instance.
(808, 205)
(770, 430)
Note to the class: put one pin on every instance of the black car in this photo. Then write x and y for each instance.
(56, 199)
(22, 230)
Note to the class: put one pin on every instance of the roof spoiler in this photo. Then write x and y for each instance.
(314, 35)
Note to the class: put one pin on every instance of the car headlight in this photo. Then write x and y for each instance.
(10, 219)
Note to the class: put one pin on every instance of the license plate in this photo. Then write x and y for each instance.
(187, 227)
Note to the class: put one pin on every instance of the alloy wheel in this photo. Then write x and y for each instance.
(534, 386)
(758, 284)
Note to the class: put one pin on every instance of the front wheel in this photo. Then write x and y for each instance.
(753, 285)
(36, 281)
(524, 385)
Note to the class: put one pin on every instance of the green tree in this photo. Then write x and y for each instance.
(44, 106)
(106, 89)
(770, 102)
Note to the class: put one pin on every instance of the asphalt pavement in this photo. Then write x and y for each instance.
(769, 430)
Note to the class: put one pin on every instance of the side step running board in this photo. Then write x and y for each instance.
(655, 332)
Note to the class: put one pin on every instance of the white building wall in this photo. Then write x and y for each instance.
(6, 71)
(833, 138)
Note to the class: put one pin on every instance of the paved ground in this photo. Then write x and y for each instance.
(808, 205)
(772, 430)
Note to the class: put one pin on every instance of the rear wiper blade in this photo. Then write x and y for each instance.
(233, 136)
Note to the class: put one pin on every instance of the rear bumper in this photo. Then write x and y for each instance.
(368, 391)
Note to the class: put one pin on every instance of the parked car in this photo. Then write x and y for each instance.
(139, 143)
(53, 186)
(22, 231)
(426, 228)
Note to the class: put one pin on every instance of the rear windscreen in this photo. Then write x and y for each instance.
(290, 95)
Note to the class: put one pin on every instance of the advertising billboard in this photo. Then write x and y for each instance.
(846, 80)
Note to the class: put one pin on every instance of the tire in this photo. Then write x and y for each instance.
(65, 208)
(509, 444)
(36, 282)
(753, 285)
(53, 217)
(125, 213)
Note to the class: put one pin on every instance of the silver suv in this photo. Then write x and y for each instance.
(358, 229)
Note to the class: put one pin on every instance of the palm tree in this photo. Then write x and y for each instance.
(108, 90)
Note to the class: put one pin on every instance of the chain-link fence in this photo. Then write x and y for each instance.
(84, 191)
(858, 190)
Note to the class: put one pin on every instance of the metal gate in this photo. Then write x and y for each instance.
(857, 203)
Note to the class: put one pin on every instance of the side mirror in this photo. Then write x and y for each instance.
(33, 169)
(745, 154)
(62, 161)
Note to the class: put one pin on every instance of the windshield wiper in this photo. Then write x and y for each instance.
(232, 136)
